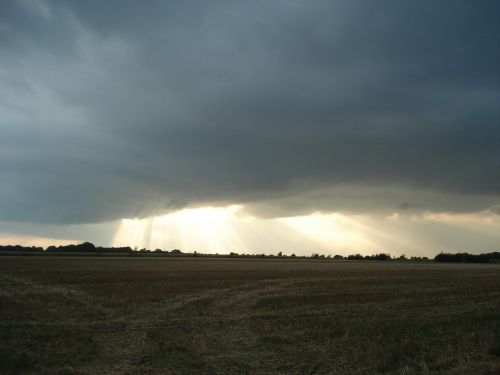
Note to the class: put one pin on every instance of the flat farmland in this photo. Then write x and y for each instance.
(134, 315)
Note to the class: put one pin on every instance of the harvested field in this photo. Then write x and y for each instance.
(129, 315)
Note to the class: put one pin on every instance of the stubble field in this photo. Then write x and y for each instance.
(133, 315)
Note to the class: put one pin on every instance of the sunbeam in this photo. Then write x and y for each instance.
(226, 229)
(193, 228)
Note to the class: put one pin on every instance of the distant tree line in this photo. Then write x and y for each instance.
(85, 247)
(467, 258)
(30, 249)
(89, 248)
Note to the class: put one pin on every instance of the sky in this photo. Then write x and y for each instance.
(251, 126)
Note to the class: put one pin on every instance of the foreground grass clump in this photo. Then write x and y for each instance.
(235, 316)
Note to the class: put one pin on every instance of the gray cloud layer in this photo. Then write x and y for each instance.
(120, 109)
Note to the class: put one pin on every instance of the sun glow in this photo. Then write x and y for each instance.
(226, 229)
(193, 228)
(332, 231)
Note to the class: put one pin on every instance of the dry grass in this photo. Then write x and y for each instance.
(234, 316)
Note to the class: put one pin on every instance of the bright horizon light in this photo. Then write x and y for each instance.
(200, 228)
(230, 228)
(226, 229)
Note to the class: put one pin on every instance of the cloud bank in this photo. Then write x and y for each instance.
(111, 110)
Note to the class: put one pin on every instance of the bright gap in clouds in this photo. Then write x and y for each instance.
(226, 229)
(206, 229)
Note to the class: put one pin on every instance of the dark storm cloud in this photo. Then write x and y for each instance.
(119, 109)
